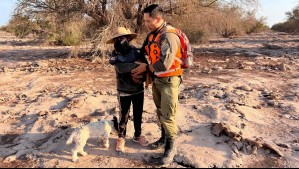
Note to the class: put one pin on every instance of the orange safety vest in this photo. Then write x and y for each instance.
(153, 50)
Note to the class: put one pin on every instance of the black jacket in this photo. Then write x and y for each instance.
(124, 64)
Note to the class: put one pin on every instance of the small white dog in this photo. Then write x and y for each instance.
(100, 129)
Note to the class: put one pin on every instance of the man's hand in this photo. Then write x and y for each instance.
(138, 81)
(137, 78)
(140, 69)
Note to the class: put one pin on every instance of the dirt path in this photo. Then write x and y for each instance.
(238, 106)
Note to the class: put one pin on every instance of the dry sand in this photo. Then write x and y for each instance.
(238, 106)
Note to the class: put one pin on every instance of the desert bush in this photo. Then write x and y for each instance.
(20, 26)
(4, 28)
(72, 33)
(291, 25)
(251, 24)
(257, 27)
(225, 21)
(70, 22)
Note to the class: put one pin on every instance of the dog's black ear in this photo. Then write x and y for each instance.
(115, 123)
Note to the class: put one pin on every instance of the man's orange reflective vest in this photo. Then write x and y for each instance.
(153, 50)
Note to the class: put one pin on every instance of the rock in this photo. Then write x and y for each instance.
(41, 64)
(286, 116)
(74, 116)
(19, 147)
(76, 102)
(235, 149)
(207, 70)
(288, 109)
(249, 149)
(267, 151)
(7, 152)
(283, 145)
(220, 94)
(241, 66)
(246, 88)
(239, 145)
(200, 95)
(266, 93)
(254, 150)
(255, 142)
(112, 93)
(295, 131)
(229, 130)
(116, 110)
(5, 69)
(272, 103)
(183, 96)
(273, 147)
(103, 93)
(42, 113)
(63, 94)
(291, 96)
(295, 147)
(252, 54)
(250, 114)
(16, 156)
(183, 161)
(217, 68)
(92, 120)
(257, 107)
(217, 129)
(211, 112)
(282, 67)
(195, 107)
(54, 123)
(99, 112)
(248, 68)
(272, 46)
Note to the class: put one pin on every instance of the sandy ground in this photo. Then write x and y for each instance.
(238, 106)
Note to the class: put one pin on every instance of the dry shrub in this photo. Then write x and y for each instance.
(72, 33)
(70, 22)
(291, 25)
(288, 27)
(202, 23)
(20, 26)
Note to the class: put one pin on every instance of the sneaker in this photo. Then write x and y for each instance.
(141, 140)
(120, 145)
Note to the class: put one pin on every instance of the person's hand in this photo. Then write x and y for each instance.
(137, 76)
(138, 81)
(113, 60)
(140, 69)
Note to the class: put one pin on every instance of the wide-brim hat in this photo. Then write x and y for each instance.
(121, 31)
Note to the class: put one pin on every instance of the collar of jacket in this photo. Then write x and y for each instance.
(160, 28)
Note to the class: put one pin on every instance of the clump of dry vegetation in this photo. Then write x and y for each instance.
(291, 25)
(72, 22)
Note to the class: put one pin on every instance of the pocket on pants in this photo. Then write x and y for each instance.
(170, 108)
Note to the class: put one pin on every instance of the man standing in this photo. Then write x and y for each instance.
(163, 48)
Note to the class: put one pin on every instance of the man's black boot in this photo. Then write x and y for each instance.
(170, 152)
(160, 143)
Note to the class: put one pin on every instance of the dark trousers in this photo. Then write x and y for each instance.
(125, 104)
